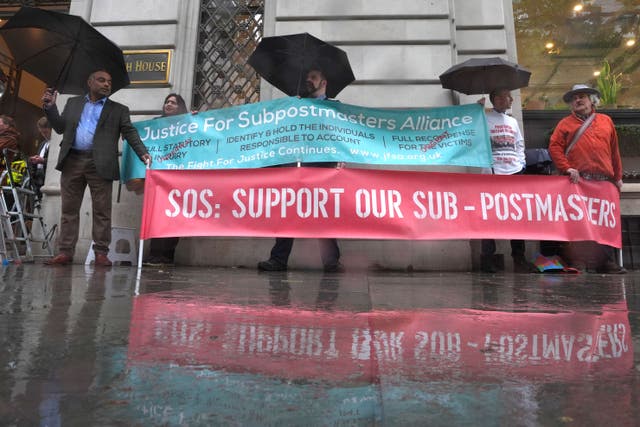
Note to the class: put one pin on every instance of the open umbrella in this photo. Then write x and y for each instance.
(482, 75)
(62, 50)
(284, 61)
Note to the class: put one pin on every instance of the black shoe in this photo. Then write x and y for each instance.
(165, 260)
(156, 261)
(334, 268)
(486, 264)
(271, 265)
(152, 261)
(488, 269)
(611, 267)
(521, 265)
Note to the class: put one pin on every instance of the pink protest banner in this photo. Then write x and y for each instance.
(415, 344)
(377, 204)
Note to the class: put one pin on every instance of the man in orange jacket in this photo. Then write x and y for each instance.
(584, 145)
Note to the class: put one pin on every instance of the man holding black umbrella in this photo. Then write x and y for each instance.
(316, 87)
(91, 126)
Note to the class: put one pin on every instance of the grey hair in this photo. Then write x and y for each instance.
(595, 99)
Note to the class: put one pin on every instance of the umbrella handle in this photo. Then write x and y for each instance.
(52, 94)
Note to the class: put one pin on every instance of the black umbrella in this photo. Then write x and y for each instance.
(482, 75)
(284, 61)
(62, 50)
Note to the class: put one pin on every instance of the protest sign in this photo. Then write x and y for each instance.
(376, 204)
(290, 130)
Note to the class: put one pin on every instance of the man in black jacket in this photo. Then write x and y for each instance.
(316, 85)
(91, 126)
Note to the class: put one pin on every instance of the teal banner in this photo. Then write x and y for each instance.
(290, 130)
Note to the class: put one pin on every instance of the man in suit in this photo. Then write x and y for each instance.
(316, 85)
(91, 126)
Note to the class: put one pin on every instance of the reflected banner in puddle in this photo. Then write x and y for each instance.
(359, 347)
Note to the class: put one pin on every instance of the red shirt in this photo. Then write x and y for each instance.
(596, 151)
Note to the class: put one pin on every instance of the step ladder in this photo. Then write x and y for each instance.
(20, 215)
(8, 248)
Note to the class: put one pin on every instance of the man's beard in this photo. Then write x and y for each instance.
(311, 88)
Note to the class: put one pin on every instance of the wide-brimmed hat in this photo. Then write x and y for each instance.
(579, 89)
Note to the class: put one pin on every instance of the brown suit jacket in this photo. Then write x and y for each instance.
(114, 121)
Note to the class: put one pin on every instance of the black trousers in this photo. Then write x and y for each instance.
(488, 247)
(329, 251)
(163, 247)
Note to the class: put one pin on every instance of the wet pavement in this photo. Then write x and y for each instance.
(193, 346)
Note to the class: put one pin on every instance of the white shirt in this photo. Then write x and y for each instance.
(43, 150)
(507, 144)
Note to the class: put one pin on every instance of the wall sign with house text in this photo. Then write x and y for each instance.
(148, 66)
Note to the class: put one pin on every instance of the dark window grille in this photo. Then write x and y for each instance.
(228, 33)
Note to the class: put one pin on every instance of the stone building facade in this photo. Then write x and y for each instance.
(396, 49)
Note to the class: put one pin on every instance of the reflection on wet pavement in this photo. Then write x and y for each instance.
(238, 347)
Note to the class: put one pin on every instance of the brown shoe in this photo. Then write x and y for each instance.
(102, 261)
(60, 259)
